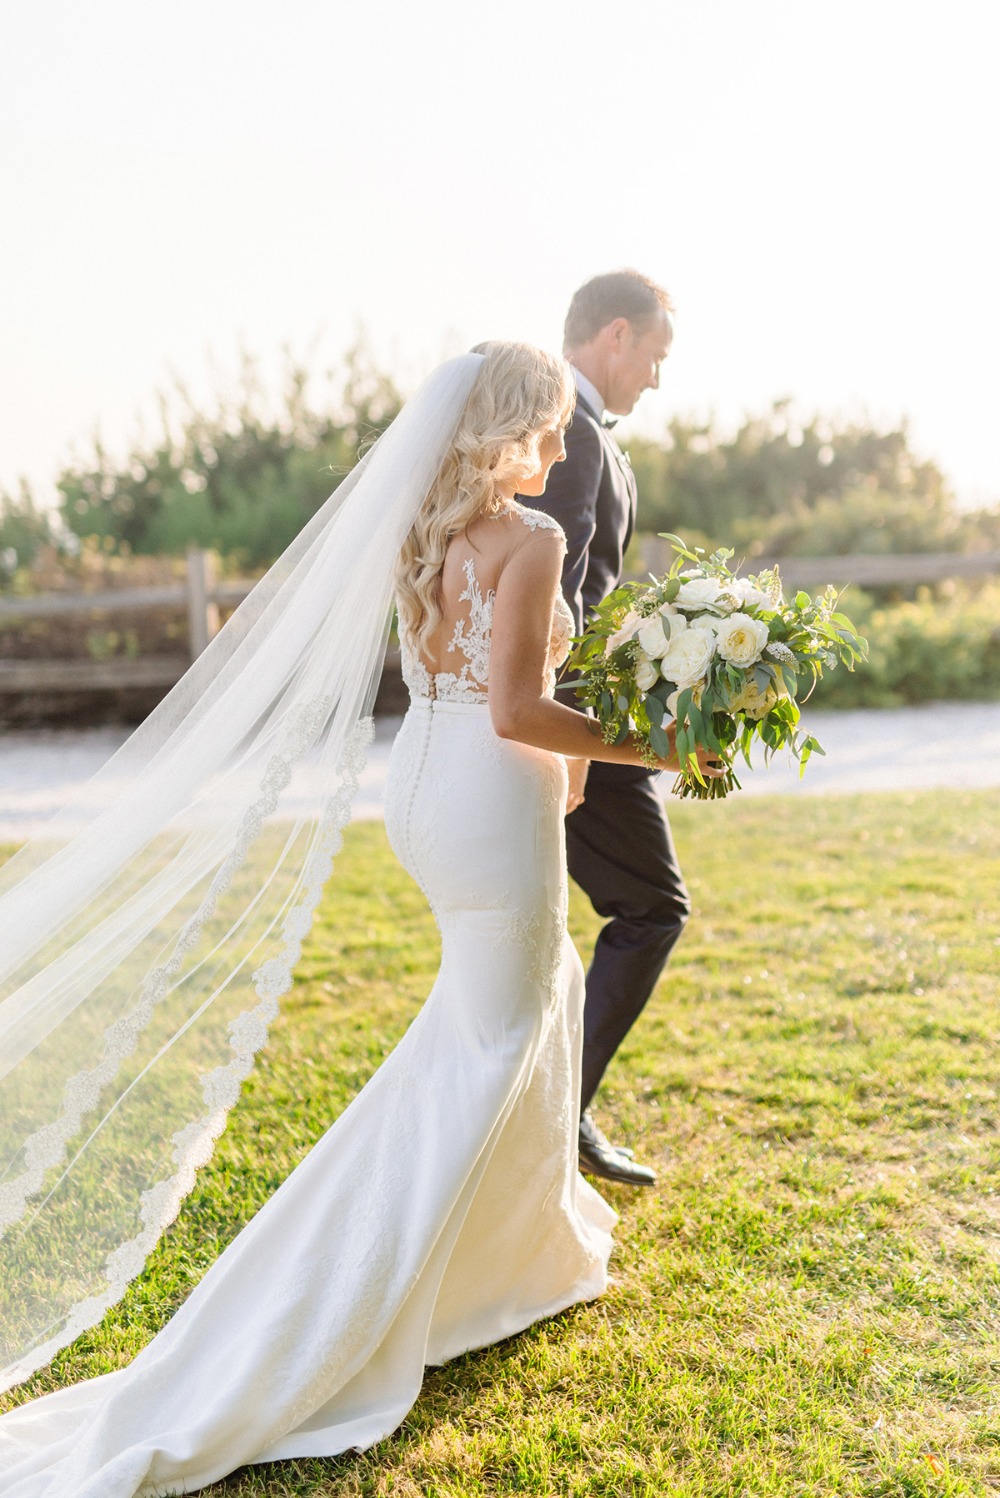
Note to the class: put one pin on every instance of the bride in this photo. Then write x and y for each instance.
(443, 1210)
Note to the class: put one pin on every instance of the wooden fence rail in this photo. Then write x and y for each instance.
(202, 594)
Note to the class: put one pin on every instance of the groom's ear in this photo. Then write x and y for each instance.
(618, 334)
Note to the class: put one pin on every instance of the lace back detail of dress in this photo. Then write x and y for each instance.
(471, 637)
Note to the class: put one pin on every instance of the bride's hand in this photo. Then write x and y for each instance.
(577, 771)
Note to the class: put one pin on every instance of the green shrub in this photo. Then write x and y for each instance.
(25, 530)
(943, 646)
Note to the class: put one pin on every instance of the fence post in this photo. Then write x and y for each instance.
(203, 613)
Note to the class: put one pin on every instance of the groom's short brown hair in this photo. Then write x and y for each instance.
(620, 293)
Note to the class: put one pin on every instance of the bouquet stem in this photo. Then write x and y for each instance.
(713, 790)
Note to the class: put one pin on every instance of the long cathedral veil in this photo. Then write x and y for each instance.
(148, 934)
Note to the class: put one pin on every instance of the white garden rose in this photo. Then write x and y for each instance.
(705, 621)
(689, 657)
(646, 674)
(625, 630)
(698, 592)
(674, 697)
(653, 636)
(752, 701)
(749, 596)
(741, 639)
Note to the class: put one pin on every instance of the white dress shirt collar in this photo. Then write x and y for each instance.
(590, 393)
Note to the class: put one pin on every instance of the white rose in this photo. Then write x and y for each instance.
(652, 636)
(689, 657)
(706, 621)
(674, 698)
(646, 674)
(741, 639)
(752, 701)
(748, 595)
(625, 630)
(697, 592)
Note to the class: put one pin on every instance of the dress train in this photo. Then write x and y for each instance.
(441, 1212)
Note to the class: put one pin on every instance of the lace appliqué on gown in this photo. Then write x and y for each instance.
(471, 637)
(415, 674)
(537, 519)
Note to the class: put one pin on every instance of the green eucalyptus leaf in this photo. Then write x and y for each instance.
(710, 737)
(788, 679)
(658, 740)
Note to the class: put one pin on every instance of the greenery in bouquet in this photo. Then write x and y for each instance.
(722, 656)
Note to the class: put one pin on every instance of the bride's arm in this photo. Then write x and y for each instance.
(522, 622)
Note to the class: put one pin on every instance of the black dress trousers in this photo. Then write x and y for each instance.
(621, 853)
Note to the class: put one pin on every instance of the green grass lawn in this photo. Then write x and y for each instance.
(807, 1303)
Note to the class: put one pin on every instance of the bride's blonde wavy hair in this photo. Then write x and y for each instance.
(520, 391)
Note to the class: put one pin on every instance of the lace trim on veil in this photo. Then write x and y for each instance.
(248, 1033)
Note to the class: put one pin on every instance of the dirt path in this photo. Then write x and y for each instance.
(941, 745)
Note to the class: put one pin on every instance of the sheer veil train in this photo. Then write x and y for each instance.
(147, 936)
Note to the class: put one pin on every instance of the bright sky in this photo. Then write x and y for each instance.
(815, 180)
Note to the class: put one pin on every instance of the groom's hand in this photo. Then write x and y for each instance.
(577, 770)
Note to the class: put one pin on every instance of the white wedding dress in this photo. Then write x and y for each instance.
(442, 1211)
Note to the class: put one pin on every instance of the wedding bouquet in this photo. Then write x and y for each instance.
(722, 655)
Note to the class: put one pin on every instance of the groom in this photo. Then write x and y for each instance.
(618, 332)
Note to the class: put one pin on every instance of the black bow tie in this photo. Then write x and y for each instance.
(608, 422)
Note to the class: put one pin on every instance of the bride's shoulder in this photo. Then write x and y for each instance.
(536, 520)
(518, 533)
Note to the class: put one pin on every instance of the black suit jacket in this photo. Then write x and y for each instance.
(592, 495)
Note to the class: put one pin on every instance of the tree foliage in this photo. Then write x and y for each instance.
(784, 486)
(241, 479)
(25, 529)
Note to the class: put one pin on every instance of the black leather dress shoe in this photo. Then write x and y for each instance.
(590, 1132)
(598, 1157)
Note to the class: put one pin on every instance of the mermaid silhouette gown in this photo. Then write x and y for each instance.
(442, 1211)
